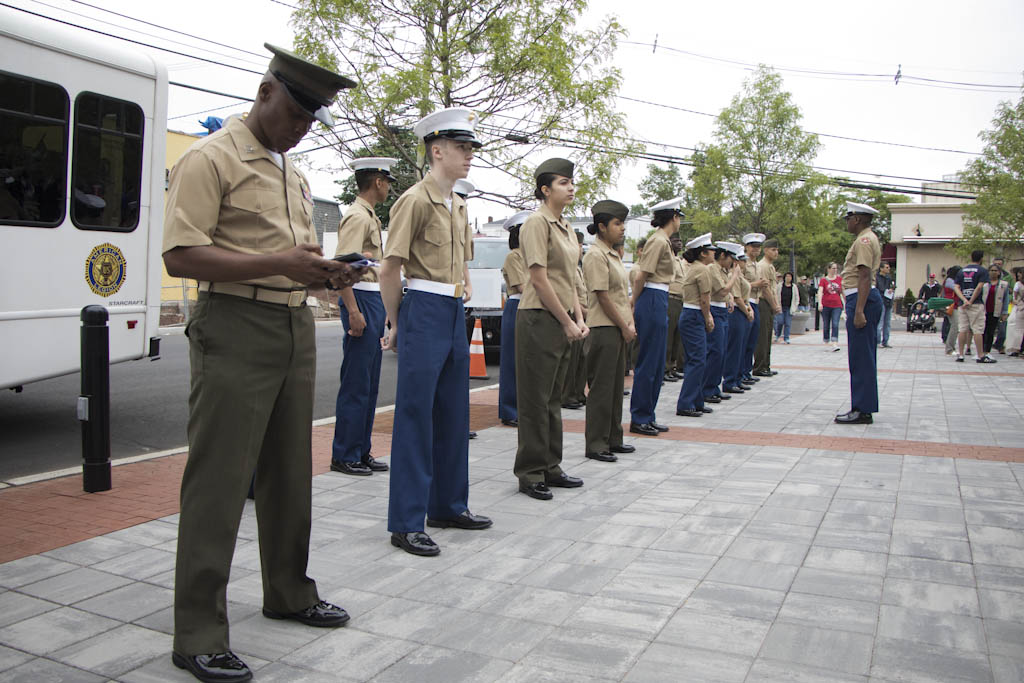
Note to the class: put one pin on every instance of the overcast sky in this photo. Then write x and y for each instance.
(973, 42)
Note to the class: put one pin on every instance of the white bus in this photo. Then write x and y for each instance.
(82, 126)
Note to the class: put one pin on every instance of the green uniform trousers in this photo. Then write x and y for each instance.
(606, 369)
(542, 357)
(763, 351)
(250, 409)
(574, 389)
(674, 359)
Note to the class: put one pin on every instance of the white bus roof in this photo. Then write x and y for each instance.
(76, 42)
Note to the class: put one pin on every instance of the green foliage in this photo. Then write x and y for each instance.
(760, 133)
(995, 222)
(523, 65)
(706, 196)
(403, 171)
(661, 184)
(638, 210)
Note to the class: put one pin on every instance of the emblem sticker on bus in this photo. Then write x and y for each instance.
(105, 269)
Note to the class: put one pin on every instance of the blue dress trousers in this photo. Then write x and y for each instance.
(651, 317)
(734, 345)
(716, 352)
(862, 352)
(507, 371)
(750, 345)
(695, 343)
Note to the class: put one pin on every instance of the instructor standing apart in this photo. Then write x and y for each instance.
(239, 219)
(430, 235)
(655, 272)
(362, 317)
(863, 311)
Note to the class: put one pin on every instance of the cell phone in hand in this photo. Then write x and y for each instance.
(357, 260)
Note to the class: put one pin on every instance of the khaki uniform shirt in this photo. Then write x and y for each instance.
(604, 272)
(550, 242)
(657, 259)
(435, 243)
(741, 289)
(514, 272)
(750, 275)
(697, 282)
(865, 251)
(359, 232)
(634, 272)
(767, 271)
(581, 287)
(227, 191)
(675, 288)
(719, 278)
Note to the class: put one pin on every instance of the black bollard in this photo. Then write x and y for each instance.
(94, 403)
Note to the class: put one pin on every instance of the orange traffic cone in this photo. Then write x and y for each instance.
(477, 364)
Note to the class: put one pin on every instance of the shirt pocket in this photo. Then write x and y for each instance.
(256, 217)
(438, 256)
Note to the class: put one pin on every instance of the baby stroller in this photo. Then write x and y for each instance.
(920, 318)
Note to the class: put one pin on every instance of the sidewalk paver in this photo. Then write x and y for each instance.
(760, 543)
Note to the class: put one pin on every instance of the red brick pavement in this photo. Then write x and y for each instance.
(50, 514)
(897, 371)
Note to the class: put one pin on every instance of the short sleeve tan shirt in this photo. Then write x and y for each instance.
(657, 259)
(514, 271)
(435, 243)
(581, 287)
(719, 279)
(741, 289)
(604, 272)
(750, 275)
(359, 232)
(697, 282)
(865, 251)
(767, 271)
(549, 242)
(227, 191)
(675, 288)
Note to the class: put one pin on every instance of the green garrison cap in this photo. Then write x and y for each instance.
(771, 243)
(311, 86)
(612, 207)
(562, 167)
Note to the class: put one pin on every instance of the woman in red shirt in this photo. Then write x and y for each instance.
(831, 306)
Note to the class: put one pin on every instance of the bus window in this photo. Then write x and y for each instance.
(106, 171)
(33, 151)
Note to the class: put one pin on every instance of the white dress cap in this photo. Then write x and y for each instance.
(854, 207)
(702, 241)
(669, 205)
(731, 247)
(455, 123)
(754, 238)
(463, 187)
(517, 219)
(381, 164)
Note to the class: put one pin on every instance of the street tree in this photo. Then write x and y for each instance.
(534, 77)
(404, 172)
(768, 151)
(707, 199)
(995, 222)
(661, 184)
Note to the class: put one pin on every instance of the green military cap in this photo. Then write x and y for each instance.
(562, 167)
(771, 243)
(310, 86)
(611, 207)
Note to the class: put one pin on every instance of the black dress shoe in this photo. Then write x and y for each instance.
(539, 490)
(472, 435)
(572, 405)
(854, 417)
(625, 392)
(563, 481)
(659, 427)
(322, 614)
(623, 448)
(374, 464)
(510, 423)
(705, 409)
(723, 397)
(755, 380)
(762, 373)
(467, 520)
(415, 543)
(603, 456)
(356, 468)
(733, 390)
(645, 429)
(749, 382)
(221, 667)
(670, 377)
(712, 399)
(678, 374)
(690, 413)
(772, 373)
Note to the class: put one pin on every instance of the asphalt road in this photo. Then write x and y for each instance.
(148, 407)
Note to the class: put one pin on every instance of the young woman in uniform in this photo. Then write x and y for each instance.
(696, 325)
(739, 326)
(545, 326)
(650, 311)
(611, 327)
(723, 277)
(514, 272)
